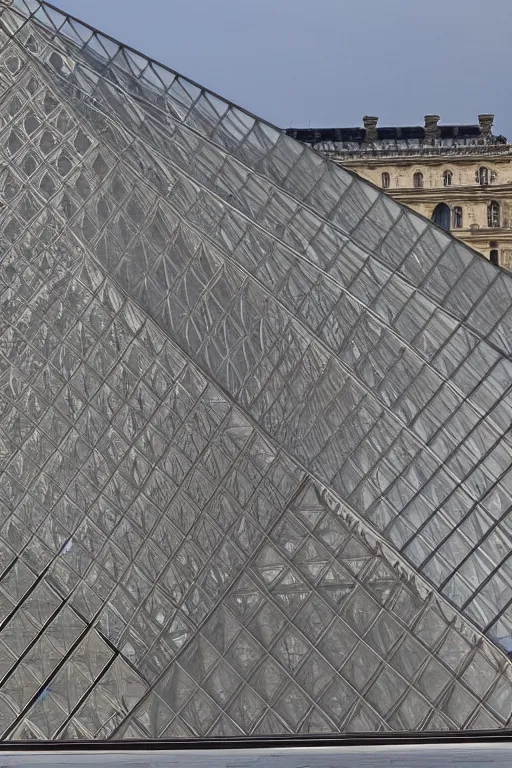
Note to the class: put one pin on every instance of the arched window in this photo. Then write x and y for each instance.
(493, 214)
(483, 175)
(457, 217)
(494, 256)
(417, 180)
(385, 180)
(447, 178)
(441, 216)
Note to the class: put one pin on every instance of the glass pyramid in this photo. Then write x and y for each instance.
(254, 422)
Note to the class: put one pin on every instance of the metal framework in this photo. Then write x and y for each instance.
(254, 422)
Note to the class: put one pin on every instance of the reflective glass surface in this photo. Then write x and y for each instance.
(254, 422)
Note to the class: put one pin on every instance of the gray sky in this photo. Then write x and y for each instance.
(329, 62)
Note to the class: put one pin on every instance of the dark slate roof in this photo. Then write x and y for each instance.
(357, 135)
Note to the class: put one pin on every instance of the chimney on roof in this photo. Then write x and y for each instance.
(432, 130)
(485, 122)
(370, 123)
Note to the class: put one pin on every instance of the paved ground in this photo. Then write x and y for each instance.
(437, 756)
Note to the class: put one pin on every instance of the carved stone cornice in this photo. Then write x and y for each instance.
(412, 155)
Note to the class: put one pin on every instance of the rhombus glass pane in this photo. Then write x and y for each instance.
(254, 422)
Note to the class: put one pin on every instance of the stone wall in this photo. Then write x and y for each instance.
(464, 173)
(465, 191)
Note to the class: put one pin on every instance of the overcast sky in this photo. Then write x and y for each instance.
(329, 62)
